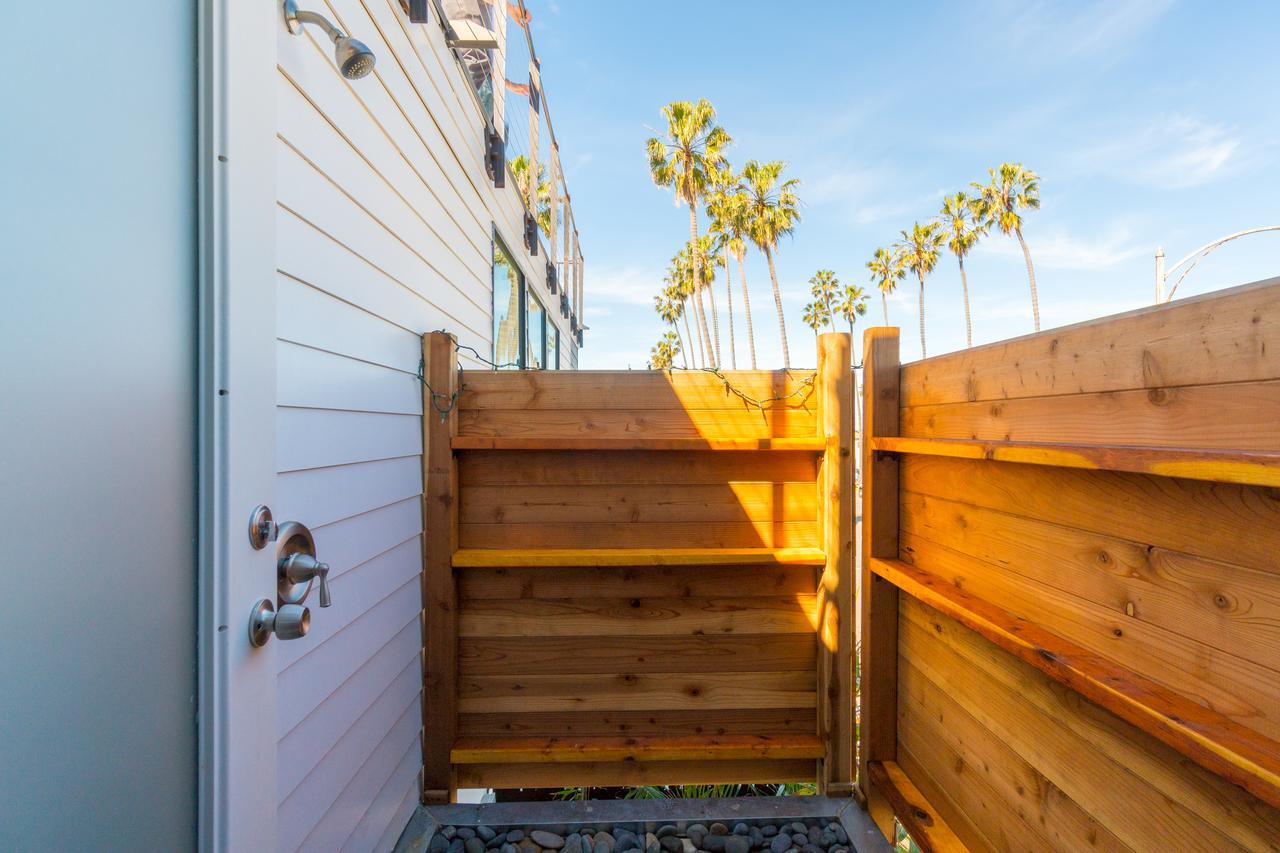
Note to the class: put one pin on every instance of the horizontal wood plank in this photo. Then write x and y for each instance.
(641, 535)
(558, 750)
(636, 582)
(1219, 466)
(636, 423)
(1210, 606)
(568, 557)
(502, 442)
(1226, 336)
(636, 692)
(1148, 795)
(1240, 417)
(636, 773)
(926, 828)
(640, 503)
(633, 467)
(1210, 739)
(604, 723)
(1190, 516)
(552, 655)
(638, 617)
(639, 389)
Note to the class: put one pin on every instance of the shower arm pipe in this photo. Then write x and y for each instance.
(1201, 253)
(306, 16)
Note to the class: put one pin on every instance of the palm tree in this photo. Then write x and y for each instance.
(887, 269)
(728, 209)
(816, 316)
(1012, 188)
(920, 247)
(773, 209)
(684, 160)
(692, 275)
(721, 206)
(543, 214)
(963, 224)
(851, 305)
(664, 352)
(824, 286)
(670, 308)
(678, 287)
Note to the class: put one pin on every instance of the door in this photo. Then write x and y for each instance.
(136, 426)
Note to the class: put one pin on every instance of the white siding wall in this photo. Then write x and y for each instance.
(384, 224)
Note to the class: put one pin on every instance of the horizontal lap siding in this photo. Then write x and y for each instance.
(1175, 580)
(383, 232)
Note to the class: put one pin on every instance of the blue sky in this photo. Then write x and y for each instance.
(1150, 123)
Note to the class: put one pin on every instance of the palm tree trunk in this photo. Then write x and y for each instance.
(697, 274)
(746, 306)
(715, 322)
(777, 302)
(964, 284)
(923, 352)
(684, 353)
(884, 300)
(700, 311)
(689, 337)
(728, 295)
(1031, 276)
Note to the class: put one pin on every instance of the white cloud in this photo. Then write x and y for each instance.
(1175, 152)
(1042, 31)
(1060, 250)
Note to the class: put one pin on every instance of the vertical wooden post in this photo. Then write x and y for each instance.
(439, 594)
(535, 96)
(554, 171)
(835, 590)
(878, 605)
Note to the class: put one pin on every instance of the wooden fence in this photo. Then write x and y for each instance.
(1070, 624)
(638, 577)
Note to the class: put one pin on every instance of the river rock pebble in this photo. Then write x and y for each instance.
(781, 843)
(473, 845)
(737, 844)
(718, 828)
(666, 830)
(546, 840)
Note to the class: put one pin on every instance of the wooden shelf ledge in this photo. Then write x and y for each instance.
(478, 558)
(1251, 468)
(554, 750)
(1212, 740)
(487, 442)
(926, 828)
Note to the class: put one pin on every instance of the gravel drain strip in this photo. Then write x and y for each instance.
(736, 825)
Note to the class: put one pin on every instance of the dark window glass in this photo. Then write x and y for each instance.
(535, 334)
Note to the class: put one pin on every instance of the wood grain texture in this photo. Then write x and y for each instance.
(635, 557)
(751, 502)
(835, 606)
(558, 750)
(1209, 604)
(500, 442)
(624, 389)
(1210, 739)
(635, 423)
(439, 593)
(878, 606)
(1227, 336)
(993, 793)
(1190, 516)
(630, 617)
(635, 467)
(756, 721)
(1219, 466)
(635, 773)
(642, 535)
(1149, 796)
(636, 581)
(926, 828)
(1236, 416)
(636, 692)
(539, 655)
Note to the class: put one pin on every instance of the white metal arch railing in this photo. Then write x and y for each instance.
(1162, 274)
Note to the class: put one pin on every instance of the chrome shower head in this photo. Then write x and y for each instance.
(353, 57)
